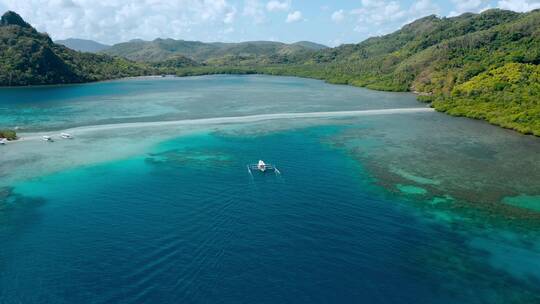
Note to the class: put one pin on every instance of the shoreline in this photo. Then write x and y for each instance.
(53, 85)
(416, 93)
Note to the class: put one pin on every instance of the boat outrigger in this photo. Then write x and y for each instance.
(261, 166)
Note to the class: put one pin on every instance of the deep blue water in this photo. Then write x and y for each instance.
(186, 223)
(366, 210)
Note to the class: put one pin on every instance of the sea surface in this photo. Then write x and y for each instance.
(378, 200)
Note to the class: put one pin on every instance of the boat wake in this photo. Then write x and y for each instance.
(232, 120)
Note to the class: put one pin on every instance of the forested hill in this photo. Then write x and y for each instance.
(165, 49)
(419, 55)
(31, 58)
(482, 66)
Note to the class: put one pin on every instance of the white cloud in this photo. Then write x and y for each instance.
(381, 17)
(274, 6)
(65, 3)
(230, 16)
(294, 17)
(467, 5)
(519, 5)
(338, 16)
(421, 8)
(377, 12)
(255, 10)
(112, 21)
(470, 6)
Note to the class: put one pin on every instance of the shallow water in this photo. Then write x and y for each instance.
(158, 99)
(404, 207)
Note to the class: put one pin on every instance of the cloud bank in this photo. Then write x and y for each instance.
(330, 22)
(119, 20)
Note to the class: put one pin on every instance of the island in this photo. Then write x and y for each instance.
(8, 135)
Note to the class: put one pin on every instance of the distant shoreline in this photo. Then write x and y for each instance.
(416, 93)
(52, 85)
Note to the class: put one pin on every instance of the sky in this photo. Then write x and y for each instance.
(328, 22)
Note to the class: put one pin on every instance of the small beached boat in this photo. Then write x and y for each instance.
(66, 136)
(47, 138)
(3, 141)
(263, 167)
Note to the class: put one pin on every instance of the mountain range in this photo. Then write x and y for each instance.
(164, 49)
(83, 45)
(484, 66)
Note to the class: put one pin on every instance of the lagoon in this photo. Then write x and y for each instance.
(400, 207)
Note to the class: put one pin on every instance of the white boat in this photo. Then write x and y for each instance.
(47, 138)
(3, 141)
(66, 136)
(263, 167)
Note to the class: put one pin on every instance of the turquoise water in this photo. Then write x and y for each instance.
(151, 99)
(397, 208)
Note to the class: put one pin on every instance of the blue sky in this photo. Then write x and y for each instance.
(327, 22)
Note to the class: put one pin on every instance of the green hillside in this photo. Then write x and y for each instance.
(441, 57)
(508, 96)
(411, 58)
(31, 58)
(164, 49)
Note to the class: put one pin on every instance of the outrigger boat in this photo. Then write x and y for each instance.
(261, 166)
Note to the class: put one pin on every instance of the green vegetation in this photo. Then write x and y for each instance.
(8, 134)
(165, 49)
(482, 66)
(31, 58)
(508, 96)
(172, 65)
